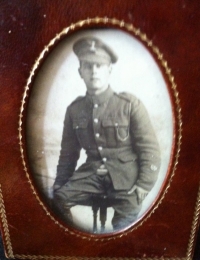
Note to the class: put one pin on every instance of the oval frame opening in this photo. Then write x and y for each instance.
(58, 83)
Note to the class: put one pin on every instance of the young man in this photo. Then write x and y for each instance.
(123, 156)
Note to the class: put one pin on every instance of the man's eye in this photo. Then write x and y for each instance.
(88, 66)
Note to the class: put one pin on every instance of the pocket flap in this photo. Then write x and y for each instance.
(127, 157)
(80, 123)
(114, 122)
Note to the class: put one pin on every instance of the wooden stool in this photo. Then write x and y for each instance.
(100, 203)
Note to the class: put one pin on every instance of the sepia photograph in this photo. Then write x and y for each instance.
(99, 130)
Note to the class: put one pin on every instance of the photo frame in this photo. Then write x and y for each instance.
(29, 219)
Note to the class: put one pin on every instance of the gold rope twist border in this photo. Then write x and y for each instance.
(33, 257)
(195, 223)
(8, 243)
(144, 38)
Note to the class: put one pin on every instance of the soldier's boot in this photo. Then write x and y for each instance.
(120, 222)
(67, 215)
(62, 209)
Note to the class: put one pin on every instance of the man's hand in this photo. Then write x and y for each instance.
(141, 194)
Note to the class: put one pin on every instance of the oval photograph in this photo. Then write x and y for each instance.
(99, 131)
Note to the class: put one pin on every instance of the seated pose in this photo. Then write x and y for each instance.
(123, 156)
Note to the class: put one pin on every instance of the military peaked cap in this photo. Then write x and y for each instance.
(93, 50)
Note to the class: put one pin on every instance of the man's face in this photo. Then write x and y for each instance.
(95, 75)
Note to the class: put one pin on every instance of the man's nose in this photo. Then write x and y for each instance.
(94, 68)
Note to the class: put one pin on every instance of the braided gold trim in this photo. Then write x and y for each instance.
(32, 257)
(5, 228)
(194, 226)
(164, 64)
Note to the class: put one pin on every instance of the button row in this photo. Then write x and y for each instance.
(100, 148)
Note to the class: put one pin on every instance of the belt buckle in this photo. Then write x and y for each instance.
(102, 170)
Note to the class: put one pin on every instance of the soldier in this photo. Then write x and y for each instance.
(123, 157)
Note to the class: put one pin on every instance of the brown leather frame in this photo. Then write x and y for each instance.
(170, 30)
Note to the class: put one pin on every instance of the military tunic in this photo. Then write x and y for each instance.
(115, 130)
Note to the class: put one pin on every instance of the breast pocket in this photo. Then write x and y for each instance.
(81, 127)
(116, 131)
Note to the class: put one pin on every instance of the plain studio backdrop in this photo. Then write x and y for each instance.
(58, 83)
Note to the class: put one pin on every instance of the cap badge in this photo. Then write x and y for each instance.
(92, 47)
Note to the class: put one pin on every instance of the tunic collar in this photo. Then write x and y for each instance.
(101, 98)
